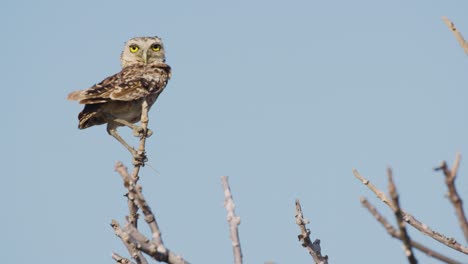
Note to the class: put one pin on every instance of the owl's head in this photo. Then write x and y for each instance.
(142, 50)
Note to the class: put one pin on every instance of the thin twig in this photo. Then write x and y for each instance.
(141, 148)
(139, 201)
(399, 217)
(381, 195)
(456, 33)
(450, 176)
(120, 260)
(233, 220)
(149, 218)
(395, 234)
(423, 228)
(132, 207)
(314, 248)
(129, 243)
(150, 248)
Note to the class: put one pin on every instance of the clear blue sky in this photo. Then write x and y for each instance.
(284, 97)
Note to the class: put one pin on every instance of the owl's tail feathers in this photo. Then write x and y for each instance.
(83, 97)
(75, 96)
(90, 116)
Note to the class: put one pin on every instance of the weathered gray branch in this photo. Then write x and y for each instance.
(399, 217)
(313, 248)
(423, 228)
(129, 243)
(135, 242)
(456, 33)
(133, 238)
(233, 220)
(120, 260)
(454, 197)
(395, 234)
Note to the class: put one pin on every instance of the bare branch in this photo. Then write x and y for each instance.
(137, 162)
(399, 216)
(395, 234)
(140, 161)
(456, 33)
(154, 248)
(233, 220)
(313, 248)
(129, 243)
(151, 249)
(423, 228)
(135, 241)
(137, 200)
(120, 260)
(450, 176)
(127, 179)
(149, 218)
(379, 193)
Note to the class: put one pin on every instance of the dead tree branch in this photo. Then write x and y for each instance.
(120, 260)
(132, 217)
(399, 217)
(132, 238)
(457, 34)
(233, 220)
(138, 162)
(454, 197)
(313, 248)
(423, 228)
(395, 234)
(129, 243)
(135, 242)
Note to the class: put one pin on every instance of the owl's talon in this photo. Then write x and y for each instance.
(139, 158)
(149, 132)
(138, 131)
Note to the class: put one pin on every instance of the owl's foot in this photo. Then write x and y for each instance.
(139, 158)
(138, 131)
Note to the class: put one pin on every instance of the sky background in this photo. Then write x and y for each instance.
(284, 97)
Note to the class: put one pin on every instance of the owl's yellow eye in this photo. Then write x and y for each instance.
(156, 47)
(134, 48)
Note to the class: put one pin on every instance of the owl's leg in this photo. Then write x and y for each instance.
(138, 158)
(137, 130)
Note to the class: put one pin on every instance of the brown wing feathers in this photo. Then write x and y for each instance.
(131, 83)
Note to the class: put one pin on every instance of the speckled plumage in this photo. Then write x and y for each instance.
(117, 100)
(144, 74)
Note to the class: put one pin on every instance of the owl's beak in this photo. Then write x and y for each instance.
(145, 57)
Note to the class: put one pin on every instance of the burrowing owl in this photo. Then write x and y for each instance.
(117, 100)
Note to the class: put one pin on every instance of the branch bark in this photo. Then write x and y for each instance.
(457, 34)
(454, 197)
(423, 228)
(395, 234)
(399, 217)
(129, 243)
(233, 220)
(132, 238)
(120, 260)
(313, 248)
